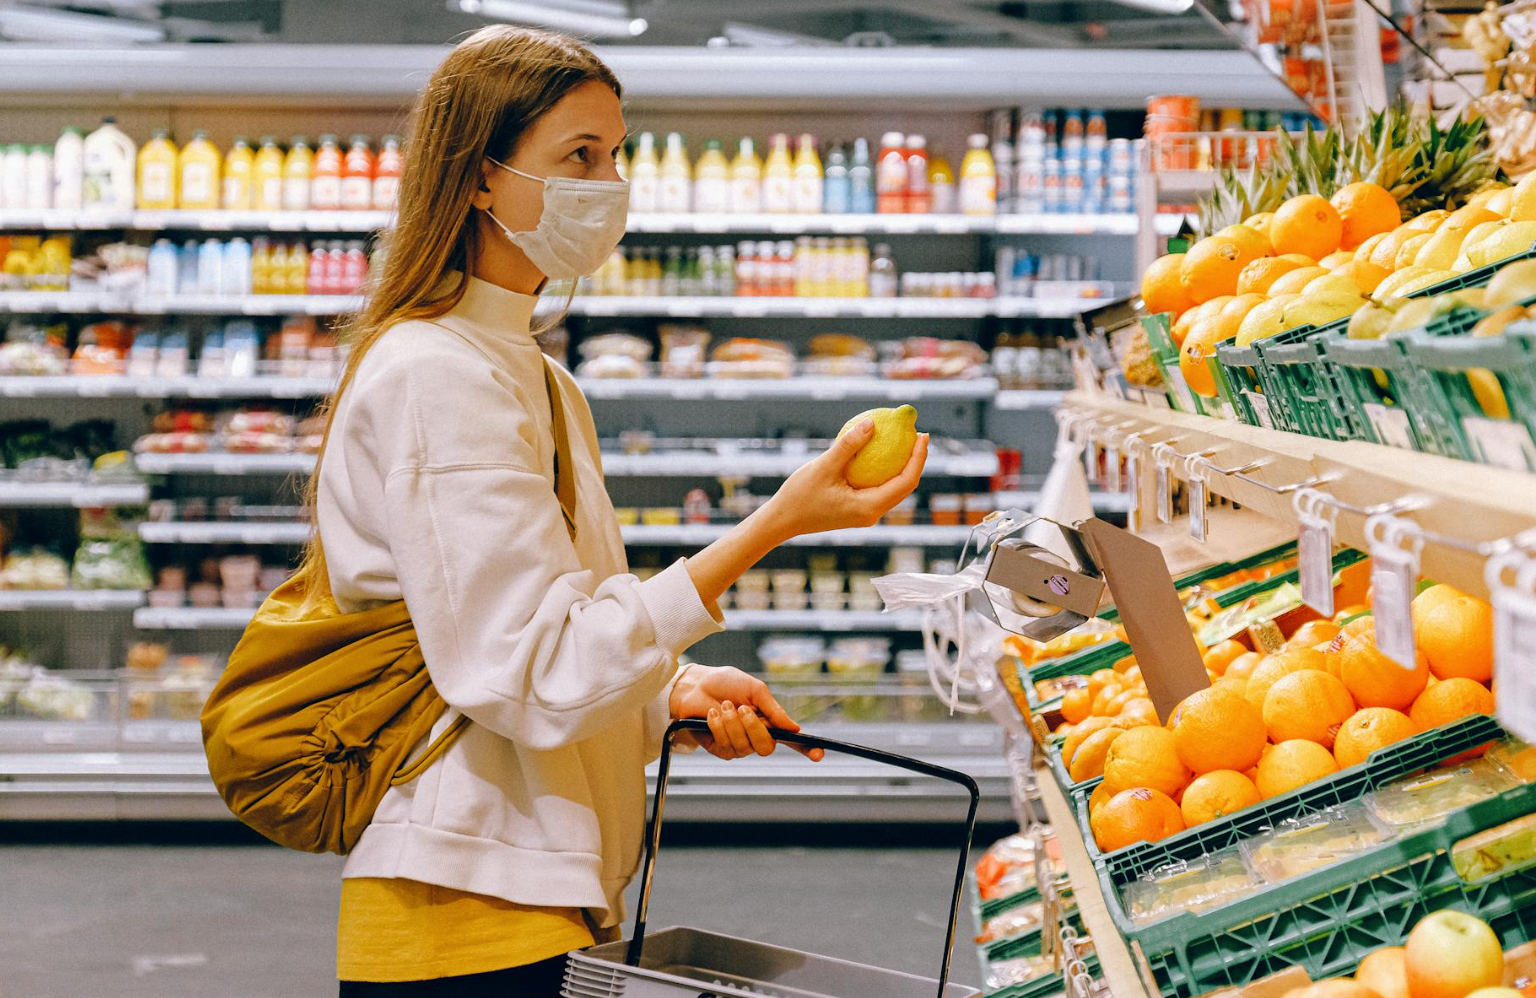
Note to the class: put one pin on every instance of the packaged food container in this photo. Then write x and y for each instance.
(904, 513)
(239, 599)
(977, 506)
(751, 600)
(753, 581)
(792, 657)
(945, 509)
(905, 560)
(1516, 758)
(1188, 885)
(828, 582)
(829, 602)
(859, 658)
(1416, 802)
(239, 572)
(788, 580)
(862, 582)
(166, 599)
(867, 602)
(822, 561)
(661, 516)
(791, 600)
(627, 516)
(1301, 845)
(203, 594)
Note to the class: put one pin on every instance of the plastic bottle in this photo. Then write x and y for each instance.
(298, 269)
(68, 169)
(325, 176)
(108, 158)
(187, 266)
(13, 177)
(277, 270)
(386, 174)
(778, 177)
(941, 186)
(1072, 135)
(160, 278)
(1002, 168)
(675, 192)
(834, 186)
(672, 272)
(746, 181)
(354, 267)
(919, 196)
(858, 267)
(298, 175)
(236, 276)
(314, 281)
(267, 176)
(239, 168)
(645, 176)
(806, 191)
(357, 175)
(335, 269)
(197, 169)
(1096, 135)
(861, 180)
(891, 175)
(712, 180)
(261, 266)
(210, 268)
(157, 172)
(882, 273)
(978, 179)
(39, 188)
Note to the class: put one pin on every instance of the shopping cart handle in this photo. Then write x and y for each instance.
(800, 738)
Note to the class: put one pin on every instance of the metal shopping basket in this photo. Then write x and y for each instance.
(685, 962)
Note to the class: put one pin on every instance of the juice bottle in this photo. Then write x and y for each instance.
(354, 267)
(861, 180)
(325, 175)
(676, 191)
(357, 175)
(978, 179)
(919, 200)
(107, 176)
(778, 177)
(13, 176)
(267, 176)
(68, 169)
(834, 185)
(712, 180)
(277, 270)
(298, 172)
(891, 175)
(645, 176)
(261, 266)
(157, 172)
(746, 181)
(239, 170)
(807, 190)
(314, 281)
(335, 269)
(39, 178)
(198, 166)
(941, 186)
(386, 174)
(298, 269)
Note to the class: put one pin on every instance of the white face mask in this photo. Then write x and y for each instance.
(579, 228)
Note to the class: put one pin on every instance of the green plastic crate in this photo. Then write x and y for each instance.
(1236, 370)
(1447, 408)
(1044, 986)
(1166, 354)
(1329, 919)
(1082, 663)
(1295, 372)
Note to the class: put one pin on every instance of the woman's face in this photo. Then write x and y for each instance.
(579, 137)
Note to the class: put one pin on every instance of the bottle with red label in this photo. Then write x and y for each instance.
(354, 268)
(357, 175)
(919, 196)
(891, 175)
(386, 174)
(325, 182)
(314, 281)
(335, 278)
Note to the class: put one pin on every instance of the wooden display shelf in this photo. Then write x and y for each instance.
(1460, 505)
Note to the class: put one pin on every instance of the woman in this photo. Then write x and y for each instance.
(442, 483)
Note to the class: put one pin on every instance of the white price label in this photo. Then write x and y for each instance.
(1394, 582)
(1186, 398)
(229, 466)
(679, 309)
(94, 387)
(1197, 503)
(748, 309)
(1164, 494)
(821, 308)
(1314, 546)
(1261, 409)
(1113, 481)
(1133, 474)
(1514, 660)
(831, 392)
(1391, 425)
(1501, 443)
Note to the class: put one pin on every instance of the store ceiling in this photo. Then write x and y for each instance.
(1117, 24)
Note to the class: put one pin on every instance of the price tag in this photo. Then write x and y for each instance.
(821, 308)
(1261, 409)
(747, 309)
(1164, 493)
(1391, 425)
(1266, 636)
(1185, 397)
(1197, 511)
(1514, 660)
(1133, 474)
(1314, 548)
(1113, 480)
(709, 223)
(787, 225)
(831, 392)
(229, 466)
(1501, 443)
(1394, 582)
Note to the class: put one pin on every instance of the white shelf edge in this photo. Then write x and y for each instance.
(224, 533)
(688, 534)
(81, 496)
(70, 599)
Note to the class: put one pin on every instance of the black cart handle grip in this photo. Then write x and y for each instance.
(698, 726)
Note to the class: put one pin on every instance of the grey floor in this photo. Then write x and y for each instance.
(155, 921)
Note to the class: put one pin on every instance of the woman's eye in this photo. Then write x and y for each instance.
(580, 154)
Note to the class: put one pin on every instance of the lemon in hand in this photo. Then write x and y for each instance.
(888, 451)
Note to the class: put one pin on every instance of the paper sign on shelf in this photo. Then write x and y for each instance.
(1514, 643)
(1314, 548)
(1501, 443)
(1394, 583)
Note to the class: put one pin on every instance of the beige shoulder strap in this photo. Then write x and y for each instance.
(565, 468)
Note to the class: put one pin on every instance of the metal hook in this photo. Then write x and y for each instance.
(1281, 490)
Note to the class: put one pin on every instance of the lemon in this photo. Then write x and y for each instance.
(1322, 307)
(1264, 320)
(1513, 283)
(888, 451)
(1505, 242)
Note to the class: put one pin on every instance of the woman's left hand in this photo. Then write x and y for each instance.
(735, 704)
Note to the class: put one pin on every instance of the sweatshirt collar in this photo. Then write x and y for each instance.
(507, 313)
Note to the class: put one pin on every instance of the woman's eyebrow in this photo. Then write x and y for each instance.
(586, 137)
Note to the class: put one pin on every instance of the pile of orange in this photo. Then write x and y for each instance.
(1269, 724)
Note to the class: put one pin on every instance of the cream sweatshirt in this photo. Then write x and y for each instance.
(438, 487)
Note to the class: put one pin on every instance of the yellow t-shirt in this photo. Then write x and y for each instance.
(403, 930)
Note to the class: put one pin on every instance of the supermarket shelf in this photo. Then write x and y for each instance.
(1470, 503)
(78, 494)
(883, 535)
(70, 599)
(1183, 185)
(109, 303)
(189, 386)
(1021, 399)
(813, 388)
(224, 533)
(679, 464)
(204, 221)
(190, 618)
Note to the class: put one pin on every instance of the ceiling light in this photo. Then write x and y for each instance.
(1159, 6)
(617, 24)
(36, 24)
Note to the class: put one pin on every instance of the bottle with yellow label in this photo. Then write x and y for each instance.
(298, 269)
(298, 172)
(157, 172)
(261, 266)
(198, 170)
(267, 176)
(778, 177)
(805, 192)
(239, 166)
(746, 180)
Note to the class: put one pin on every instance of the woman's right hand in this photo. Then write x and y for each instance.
(818, 497)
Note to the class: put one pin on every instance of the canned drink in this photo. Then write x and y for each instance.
(1071, 186)
(1051, 189)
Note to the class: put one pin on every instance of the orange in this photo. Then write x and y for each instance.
(1097, 798)
(1385, 253)
(1268, 672)
(1365, 249)
(1137, 815)
(1293, 764)
(1216, 729)
(1118, 704)
(1369, 730)
(1101, 678)
(1242, 667)
(1076, 705)
(1307, 224)
(1201, 312)
(1334, 987)
(1211, 267)
(1260, 223)
(1295, 281)
(1137, 711)
(1307, 704)
(1450, 700)
(1456, 635)
(1223, 655)
(1373, 679)
(1105, 698)
(1215, 795)
(1432, 597)
(1312, 633)
(1365, 274)
(1261, 273)
(1200, 344)
(1233, 685)
(1146, 757)
(1080, 733)
(1385, 972)
(1088, 760)
(1161, 289)
(1250, 238)
(1365, 209)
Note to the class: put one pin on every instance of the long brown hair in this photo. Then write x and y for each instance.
(479, 102)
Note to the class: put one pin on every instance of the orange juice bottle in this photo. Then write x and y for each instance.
(779, 177)
(805, 192)
(325, 183)
(978, 179)
(198, 166)
(261, 266)
(277, 270)
(157, 172)
(239, 166)
(357, 175)
(746, 180)
(386, 174)
(298, 172)
(267, 177)
(298, 269)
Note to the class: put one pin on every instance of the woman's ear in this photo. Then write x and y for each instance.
(483, 197)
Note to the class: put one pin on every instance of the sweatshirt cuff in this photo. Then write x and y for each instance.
(678, 614)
